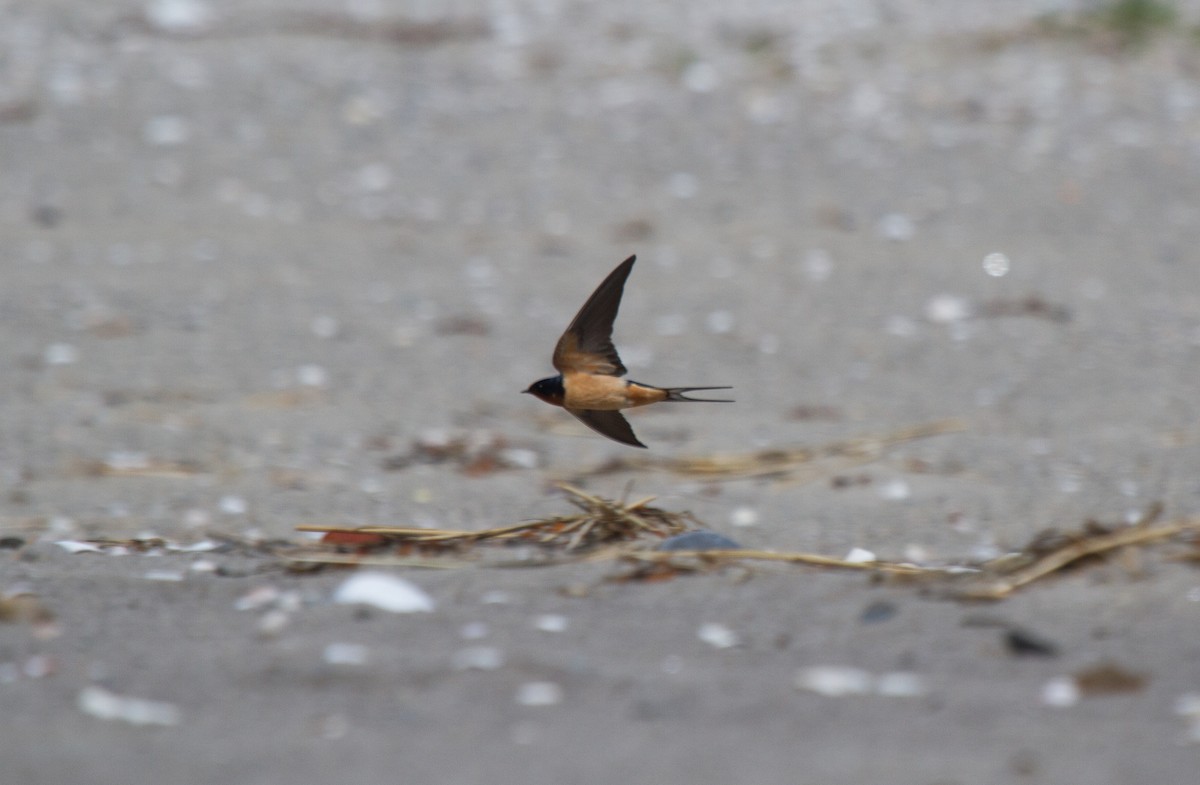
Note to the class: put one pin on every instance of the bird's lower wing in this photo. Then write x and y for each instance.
(608, 423)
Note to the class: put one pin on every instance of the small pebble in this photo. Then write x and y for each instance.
(384, 591)
(880, 610)
(203, 546)
(60, 354)
(254, 599)
(474, 630)
(39, 666)
(551, 622)
(477, 658)
(743, 517)
(834, 681)
(719, 322)
(860, 556)
(717, 635)
(102, 704)
(895, 490)
(312, 375)
(947, 309)
(171, 576)
(1023, 643)
(1060, 692)
(698, 541)
(79, 546)
(897, 226)
(166, 130)
(900, 684)
(519, 458)
(179, 16)
(325, 326)
(273, 623)
(996, 265)
(818, 265)
(1188, 705)
(346, 654)
(539, 693)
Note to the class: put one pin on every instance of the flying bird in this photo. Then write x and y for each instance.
(589, 383)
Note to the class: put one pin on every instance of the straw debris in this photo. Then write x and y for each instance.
(1048, 555)
(619, 531)
(598, 522)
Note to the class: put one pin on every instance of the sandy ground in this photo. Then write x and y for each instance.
(254, 251)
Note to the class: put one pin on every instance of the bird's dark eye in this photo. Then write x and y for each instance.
(549, 387)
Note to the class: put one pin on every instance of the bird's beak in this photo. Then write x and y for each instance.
(526, 391)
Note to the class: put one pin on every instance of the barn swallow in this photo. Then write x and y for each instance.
(589, 383)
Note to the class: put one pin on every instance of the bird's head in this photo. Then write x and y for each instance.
(549, 390)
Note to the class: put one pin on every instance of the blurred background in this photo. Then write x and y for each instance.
(290, 248)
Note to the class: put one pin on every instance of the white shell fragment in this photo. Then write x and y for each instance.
(743, 517)
(179, 16)
(79, 546)
(947, 309)
(102, 704)
(895, 490)
(836, 681)
(197, 547)
(996, 264)
(717, 635)
(232, 505)
(383, 591)
(1060, 692)
(860, 556)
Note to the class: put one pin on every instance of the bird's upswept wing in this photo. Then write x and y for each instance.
(586, 346)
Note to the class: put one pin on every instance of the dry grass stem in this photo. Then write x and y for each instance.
(606, 530)
(719, 557)
(1090, 545)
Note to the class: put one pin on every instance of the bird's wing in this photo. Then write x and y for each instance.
(586, 346)
(608, 423)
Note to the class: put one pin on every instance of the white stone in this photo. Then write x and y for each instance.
(383, 591)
